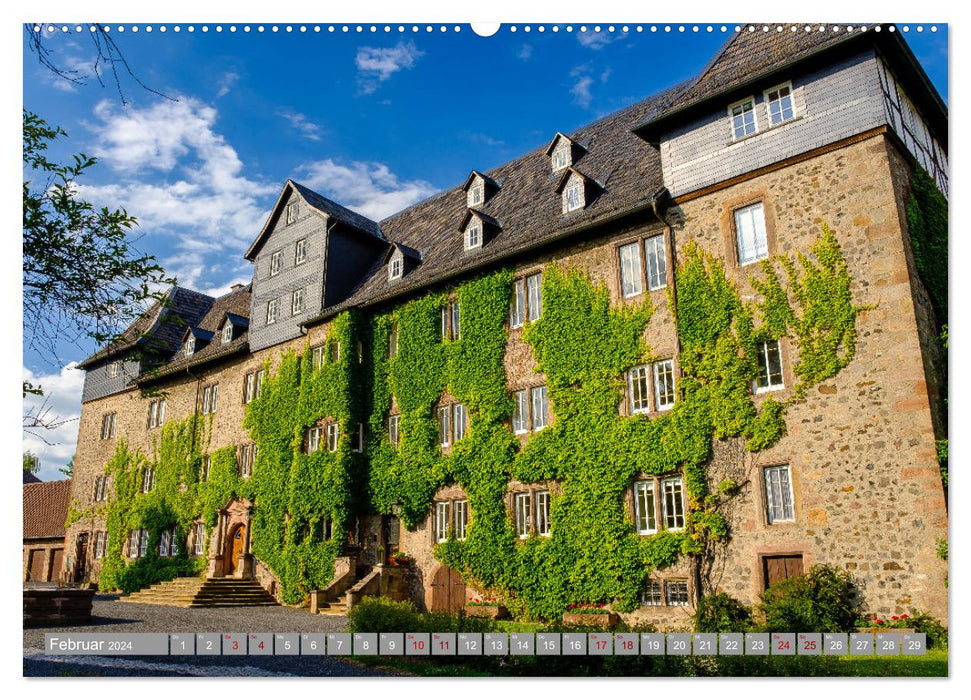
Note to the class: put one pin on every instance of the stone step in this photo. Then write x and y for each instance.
(199, 593)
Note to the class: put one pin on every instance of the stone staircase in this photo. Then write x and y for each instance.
(333, 604)
(195, 592)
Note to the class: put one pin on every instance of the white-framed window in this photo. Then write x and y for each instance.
(520, 412)
(101, 488)
(561, 157)
(138, 543)
(750, 235)
(312, 439)
(543, 513)
(199, 539)
(443, 426)
(163, 543)
(260, 375)
(456, 315)
(276, 260)
(473, 235)
(743, 118)
(638, 389)
(476, 194)
(534, 296)
(652, 595)
(333, 436)
(247, 458)
(99, 544)
(394, 429)
(645, 511)
(657, 263)
(540, 408)
(301, 255)
(156, 413)
(523, 515)
(517, 307)
(357, 439)
(396, 267)
(317, 357)
(664, 385)
(458, 422)
(190, 346)
(630, 270)
(460, 518)
(676, 593)
(441, 521)
(778, 494)
(770, 366)
(109, 422)
(271, 312)
(296, 304)
(291, 212)
(227, 333)
(209, 396)
(114, 369)
(574, 196)
(148, 479)
(206, 468)
(779, 101)
(672, 490)
(249, 388)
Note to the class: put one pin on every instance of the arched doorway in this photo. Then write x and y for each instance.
(448, 591)
(235, 542)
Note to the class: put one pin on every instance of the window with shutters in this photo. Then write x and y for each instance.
(751, 239)
(770, 367)
(523, 514)
(776, 568)
(778, 495)
(441, 522)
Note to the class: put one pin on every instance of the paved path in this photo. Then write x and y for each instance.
(111, 615)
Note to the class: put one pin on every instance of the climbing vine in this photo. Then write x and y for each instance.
(399, 363)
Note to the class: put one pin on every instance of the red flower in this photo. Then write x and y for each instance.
(570, 606)
(903, 617)
(879, 622)
(894, 618)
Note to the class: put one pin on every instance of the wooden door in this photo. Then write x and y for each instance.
(235, 549)
(57, 563)
(448, 591)
(779, 568)
(81, 557)
(35, 565)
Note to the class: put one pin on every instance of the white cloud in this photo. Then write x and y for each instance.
(525, 52)
(483, 139)
(581, 90)
(370, 189)
(226, 83)
(60, 406)
(375, 65)
(304, 126)
(179, 177)
(597, 40)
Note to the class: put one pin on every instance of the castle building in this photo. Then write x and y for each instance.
(585, 376)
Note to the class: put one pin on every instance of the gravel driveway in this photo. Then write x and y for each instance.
(110, 615)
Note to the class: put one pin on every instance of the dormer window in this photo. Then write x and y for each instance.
(478, 189)
(395, 268)
(291, 213)
(473, 235)
(574, 195)
(190, 346)
(563, 152)
(476, 195)
(561, 157)
(779, 101)
(114, 369)
(743, 118)
(228, 333)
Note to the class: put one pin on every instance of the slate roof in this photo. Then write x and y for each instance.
(236, 303)
(29, 478)
(161, 327)
(527, 206)
(45, 508)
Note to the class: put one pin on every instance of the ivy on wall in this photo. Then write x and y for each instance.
(584, 347)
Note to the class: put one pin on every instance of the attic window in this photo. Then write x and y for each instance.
(394, 270)
(476, 194)
(190, 346)
(473, 235)
(228, 333)
(574, 195)
(114, 369)
(291, 213)
(743, 118)
(561, 156)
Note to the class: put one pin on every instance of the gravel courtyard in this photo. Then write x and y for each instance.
(110, 615)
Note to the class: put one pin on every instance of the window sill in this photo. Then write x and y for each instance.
(764, 131)
(768, 389)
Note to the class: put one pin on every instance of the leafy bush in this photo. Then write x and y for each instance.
(822, 600)
(382, 614)
(932, 627)
(722, 613)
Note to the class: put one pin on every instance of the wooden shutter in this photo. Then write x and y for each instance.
(779, 568)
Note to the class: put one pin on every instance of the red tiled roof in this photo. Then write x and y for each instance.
(45, 508)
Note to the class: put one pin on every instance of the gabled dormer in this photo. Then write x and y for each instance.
(401, 260)
(477, 229)
(563, 152)
(576, 189)
(194, 340)
(232, 327)
(479, 189)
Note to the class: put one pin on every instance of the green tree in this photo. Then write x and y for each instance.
(31, 462)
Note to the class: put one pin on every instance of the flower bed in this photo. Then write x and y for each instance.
(590, 614)
(486, 607)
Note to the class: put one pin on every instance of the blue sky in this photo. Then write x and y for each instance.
(375, 121)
